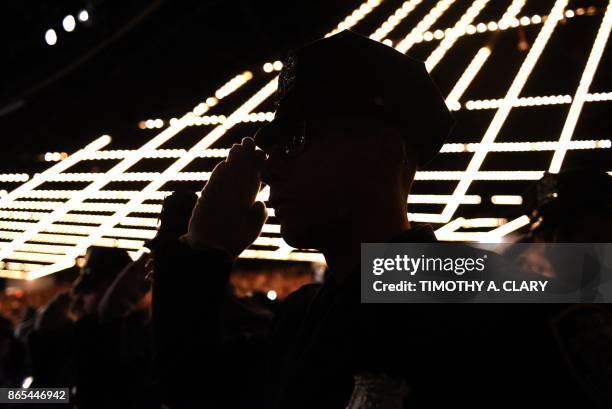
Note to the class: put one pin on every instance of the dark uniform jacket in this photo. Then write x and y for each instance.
(450, 355)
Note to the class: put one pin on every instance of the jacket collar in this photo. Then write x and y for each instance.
(423, 233)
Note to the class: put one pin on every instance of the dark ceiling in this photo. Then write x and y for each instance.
(132, 59)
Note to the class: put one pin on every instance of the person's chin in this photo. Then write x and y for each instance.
(296, 235)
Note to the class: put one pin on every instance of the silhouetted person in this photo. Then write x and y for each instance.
(12, 356)
(575, 206)
(572, 206)
(68, 345)
(355, 119)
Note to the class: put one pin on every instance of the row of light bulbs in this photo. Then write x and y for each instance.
(54, 156)
(533, 101)
(446, 148)
(464, 81)
(356, 16)
(79, 218)
(69, 24)
(519, 102)
(233, 84)
(155, 154)
(127, 177)
(226, 89)
(202, 176)
(491, 175)
(151, 124)
(67, 239)
(400, 14)
(424, 25)
(525, 146)
(273, 66)
(210, 120)
(14, 177)
(449, 40)
(203, 107)
(85, 207)
(481, 28)
(101, 195)
(469, 105)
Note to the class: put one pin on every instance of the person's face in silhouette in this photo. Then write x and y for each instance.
(85, 303)
(334, 179)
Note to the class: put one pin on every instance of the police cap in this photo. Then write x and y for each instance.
(349, 75)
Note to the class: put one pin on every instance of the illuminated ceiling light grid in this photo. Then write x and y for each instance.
(44, 250)
(12, 249)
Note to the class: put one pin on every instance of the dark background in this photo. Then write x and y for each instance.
(132, 60)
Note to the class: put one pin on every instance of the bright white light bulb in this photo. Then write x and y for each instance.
(27, 382)
(51, 37)
(200, 109)
(69, 23)
(83, 16)
(271, 295)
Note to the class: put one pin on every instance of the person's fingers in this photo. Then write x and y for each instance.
(259, 214)
(244, 154)
(238, 177)
(252, 188)
(234, 152)
(243, 167)
(248, 143)
(217, 173)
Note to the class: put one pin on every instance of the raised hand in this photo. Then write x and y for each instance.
(226, 216)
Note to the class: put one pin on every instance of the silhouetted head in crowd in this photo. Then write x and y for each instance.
(573, 206)
(354, 121)
(6, 337)
(101, 267)
(174, 217)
